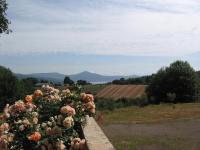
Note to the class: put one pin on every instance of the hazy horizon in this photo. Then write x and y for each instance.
(100, 64)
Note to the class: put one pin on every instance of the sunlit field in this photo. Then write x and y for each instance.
(153, 113)
(154, 127)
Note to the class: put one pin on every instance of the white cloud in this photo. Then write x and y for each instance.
(114, 27)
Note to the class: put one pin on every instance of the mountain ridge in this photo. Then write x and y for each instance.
(85, 75)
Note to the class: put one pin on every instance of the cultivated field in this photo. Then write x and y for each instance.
(154, 127)
(119, 91)
(94, 89)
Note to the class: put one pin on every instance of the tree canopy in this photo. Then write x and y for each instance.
(177, 83)
(11, 88)
(82, 82)
(8, 86)
(67, 80)
(4, 22)
(137, 80)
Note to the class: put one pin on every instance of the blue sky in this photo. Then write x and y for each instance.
(102, 36)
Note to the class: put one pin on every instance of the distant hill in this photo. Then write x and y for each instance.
(52, 77)
(93, 77)
(58, 78)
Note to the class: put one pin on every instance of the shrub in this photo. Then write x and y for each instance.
(47, 119)
(105, 104)
(110, 104)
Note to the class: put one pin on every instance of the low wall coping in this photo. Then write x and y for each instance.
(95, 137)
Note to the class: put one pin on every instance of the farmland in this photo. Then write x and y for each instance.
(121, 91)
(154, 127)
(94, 89)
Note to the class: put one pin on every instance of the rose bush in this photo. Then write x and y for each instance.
(47, 120)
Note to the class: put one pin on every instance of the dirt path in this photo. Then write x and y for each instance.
(185, 129)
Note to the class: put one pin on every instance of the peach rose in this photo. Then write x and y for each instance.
(66, 92)
(90, 105)
(68, 110)
(35, 137)
(77, 143)
(68, 122)
(19, 105)
(26, 122)
(87, 97)
(90, 97)
(38, 93)
(4, 126)
(29, 98)
(10, 137)
(35, 120)
(30, 107)
(92, 111)
(3, 142)
(83, 96)
(6, 113)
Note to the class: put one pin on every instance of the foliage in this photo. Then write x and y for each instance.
(198, 73)
(138, 80)
(67, 80)
(3, 18)
(29, 84)
(44, 81)
(82, 82)
(105, 104)
(48, 119)
(8, 86)
(12, 89)
(110, 104)
(177, 83)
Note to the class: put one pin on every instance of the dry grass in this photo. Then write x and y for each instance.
(153, 113)
(149, 143)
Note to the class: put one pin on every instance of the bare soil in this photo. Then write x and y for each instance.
(120, 91)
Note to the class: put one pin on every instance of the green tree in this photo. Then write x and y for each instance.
(179, 78)
(12, 89)
(82, 82)
(67, 80)
(182, 80)
(198, 73)
(4, 22)
(8, 86)
(27, 85)
(156, 89)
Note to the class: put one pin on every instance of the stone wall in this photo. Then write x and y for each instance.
(95, 138)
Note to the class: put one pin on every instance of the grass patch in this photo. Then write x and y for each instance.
(152, 113)
(150, 143)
